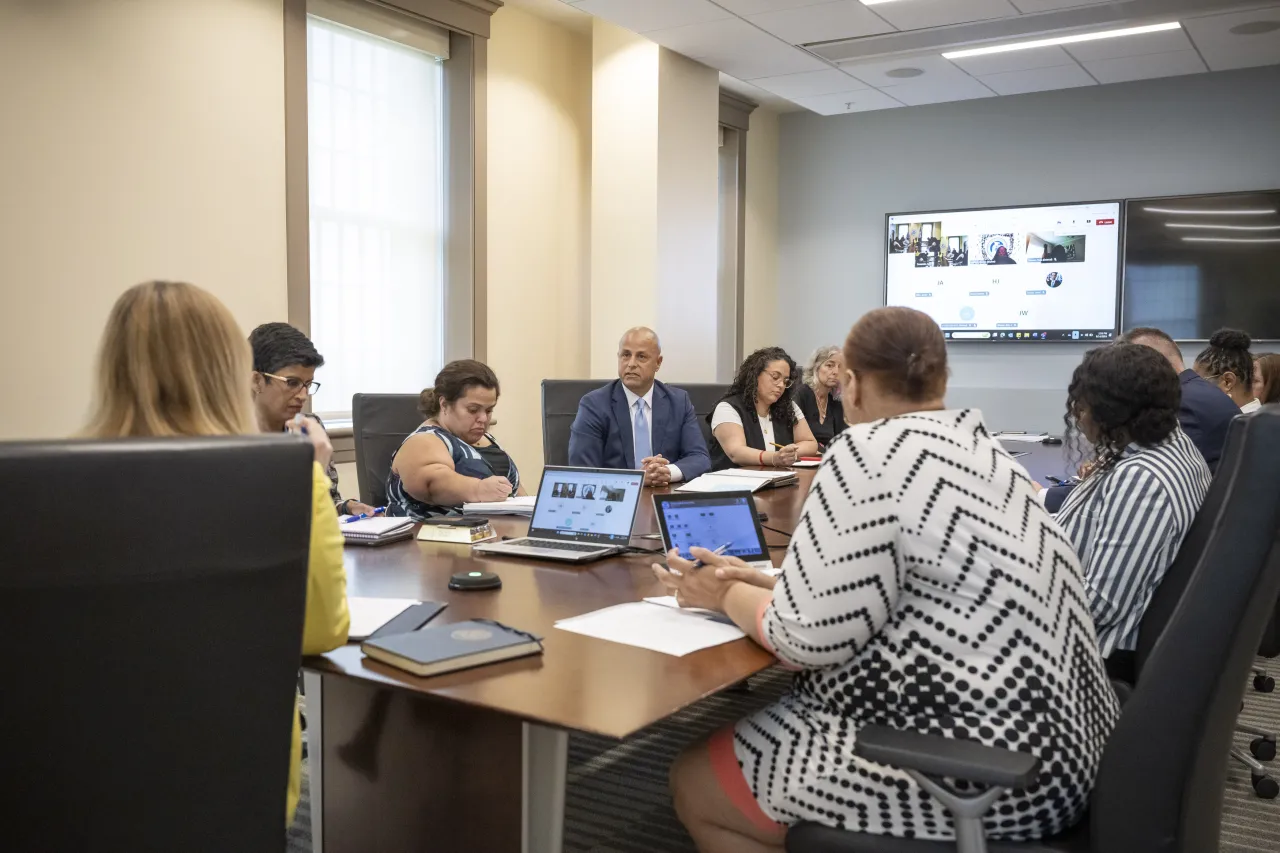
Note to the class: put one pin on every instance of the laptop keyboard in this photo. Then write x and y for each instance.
(556, 545)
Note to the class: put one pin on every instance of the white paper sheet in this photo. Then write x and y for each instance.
(370, 614)
(1030, 438)
(511, 506)
(661, 629)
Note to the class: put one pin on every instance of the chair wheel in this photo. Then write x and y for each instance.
(1265, 786)
(1264, 683)
(1263, 748)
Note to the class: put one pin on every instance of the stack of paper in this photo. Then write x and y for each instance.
(738, 480)
(511, 506)
(672, 631)
(370, 614)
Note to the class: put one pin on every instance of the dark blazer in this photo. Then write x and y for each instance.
(601, 435)
(751, 431)
(1206, 415)
(807, 400)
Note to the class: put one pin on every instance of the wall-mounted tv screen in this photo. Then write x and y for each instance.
(1196, 264)
(1009, 274)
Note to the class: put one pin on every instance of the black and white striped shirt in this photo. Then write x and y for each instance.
(1127, 524)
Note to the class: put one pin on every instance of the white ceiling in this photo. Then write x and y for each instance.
(837, 56)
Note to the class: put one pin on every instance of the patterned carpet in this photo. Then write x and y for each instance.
(618, 801)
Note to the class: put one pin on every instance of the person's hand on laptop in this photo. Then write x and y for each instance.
(656, 472)
(491, 489)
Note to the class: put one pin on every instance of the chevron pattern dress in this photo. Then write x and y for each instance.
(927, 589)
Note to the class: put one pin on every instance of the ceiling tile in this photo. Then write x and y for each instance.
(1164, 41)
(738, 49)
(935, 91)
(1038, 79)
(842, 19)
(809, 83)
(654, 14)
(1144, 67)
(1014, 60)
(860, 101)
(877, 73)
(1223, 49)
(756, 94)
(755, 7)
(918, 14)
(1033, 6)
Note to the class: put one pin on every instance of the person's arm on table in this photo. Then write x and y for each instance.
(427, 473)
(804, 442)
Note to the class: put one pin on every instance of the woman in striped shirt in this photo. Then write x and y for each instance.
(1127, 519)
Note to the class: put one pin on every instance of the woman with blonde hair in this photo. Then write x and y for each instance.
(818, 396)
(173, 363)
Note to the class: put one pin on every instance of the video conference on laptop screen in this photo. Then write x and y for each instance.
(1020, 274)
(593, 505)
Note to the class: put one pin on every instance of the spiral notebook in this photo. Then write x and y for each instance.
(376, 531)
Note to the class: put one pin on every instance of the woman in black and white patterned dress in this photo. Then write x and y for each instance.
(925, 589)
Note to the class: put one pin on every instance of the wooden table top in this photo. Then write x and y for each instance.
(579, 682)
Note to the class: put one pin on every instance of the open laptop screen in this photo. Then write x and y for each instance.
(587, 504)
(710, 521)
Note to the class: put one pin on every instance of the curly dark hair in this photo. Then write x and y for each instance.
(1228, 351)
(744, 384)
(1131, 395)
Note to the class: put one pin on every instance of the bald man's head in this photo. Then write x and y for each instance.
(1158, 341)
(639, 357)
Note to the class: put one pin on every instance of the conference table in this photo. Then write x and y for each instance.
(476, 760)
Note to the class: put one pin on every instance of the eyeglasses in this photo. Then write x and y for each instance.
(778, 377)
(294, 384)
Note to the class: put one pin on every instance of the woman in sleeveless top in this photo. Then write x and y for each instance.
(451, 459)
(816, 395)
(757, 422)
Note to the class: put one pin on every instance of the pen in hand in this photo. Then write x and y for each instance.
(697, 564)
(379, 511)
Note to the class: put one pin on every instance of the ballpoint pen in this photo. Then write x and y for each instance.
(725, 547)
(379, 511)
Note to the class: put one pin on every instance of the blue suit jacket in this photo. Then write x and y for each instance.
(601, 435)
(1206, 415)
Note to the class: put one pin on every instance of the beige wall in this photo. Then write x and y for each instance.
(143, 139)
(539, 200)
(760, 283)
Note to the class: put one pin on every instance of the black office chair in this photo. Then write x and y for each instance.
(1160, 785)
(153, 597)
(704, 396)
(560, 398)
(379, 423)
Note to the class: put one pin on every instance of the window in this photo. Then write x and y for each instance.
(376, 208)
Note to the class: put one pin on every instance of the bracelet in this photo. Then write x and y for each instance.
(761, 458)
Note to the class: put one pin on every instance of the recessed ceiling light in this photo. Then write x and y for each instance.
(903, 72)
(1184, 211)
(1026, 45)
(1231, 239)
(1255, 28)
(1216, 227)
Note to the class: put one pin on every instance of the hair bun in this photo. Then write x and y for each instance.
(1230, 339)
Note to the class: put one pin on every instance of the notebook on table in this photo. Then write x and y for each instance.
(711, 521)
(463, 529)
(522, 506)
(581, 514)
(377, 617)
(438, 649)
(376, 531)
(737, 479)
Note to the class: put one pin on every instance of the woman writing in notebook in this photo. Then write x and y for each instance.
(758, 422)
(173, 363)
(451, 459)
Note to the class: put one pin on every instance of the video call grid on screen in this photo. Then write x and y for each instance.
(1016, 274)
(595, 505)
(712, 522)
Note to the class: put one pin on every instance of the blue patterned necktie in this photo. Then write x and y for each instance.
(640, 432)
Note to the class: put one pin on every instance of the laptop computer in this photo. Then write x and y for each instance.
(711, 520)
(580, 514)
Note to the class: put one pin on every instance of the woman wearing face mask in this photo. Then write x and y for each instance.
(758, 422)
(451, 459)
(817, 398)
(923, 580)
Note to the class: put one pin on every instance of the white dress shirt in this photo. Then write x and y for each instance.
(647, 399)
(1251, 406)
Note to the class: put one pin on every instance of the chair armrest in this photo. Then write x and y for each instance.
(942, 757)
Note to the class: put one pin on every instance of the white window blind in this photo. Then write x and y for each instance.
(376, 186)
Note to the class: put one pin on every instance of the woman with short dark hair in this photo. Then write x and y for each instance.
(924, 589)
(1129, 515)
(451, 459)
(758, 422)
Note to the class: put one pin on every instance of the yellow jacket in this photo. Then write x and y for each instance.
(327, 619)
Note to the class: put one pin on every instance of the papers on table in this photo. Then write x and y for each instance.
(1028, 437)
(511, 506)
(738, 480)
(671, 631)
(370, 614)
(807, 463)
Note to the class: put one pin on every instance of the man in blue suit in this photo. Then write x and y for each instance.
(638, 422)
